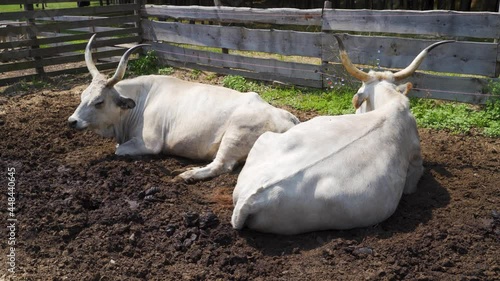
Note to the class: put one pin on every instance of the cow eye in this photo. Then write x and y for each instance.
(99, 104)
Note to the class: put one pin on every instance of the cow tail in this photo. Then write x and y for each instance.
(244, 208)
(240, 214)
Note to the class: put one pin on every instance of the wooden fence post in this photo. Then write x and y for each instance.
(496, 41)
(31, 32)
(137, 12)
(324, 64)
(218, 3)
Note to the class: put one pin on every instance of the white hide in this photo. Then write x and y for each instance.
(332, 172)
(177, 117)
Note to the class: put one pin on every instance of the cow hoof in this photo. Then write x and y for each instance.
(177, 180)
(189, 176)
(180, 179)
(177, 172)
(189, 180)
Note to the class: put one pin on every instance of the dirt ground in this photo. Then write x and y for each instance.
(82, 212)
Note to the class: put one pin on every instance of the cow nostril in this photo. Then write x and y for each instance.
(72, 123)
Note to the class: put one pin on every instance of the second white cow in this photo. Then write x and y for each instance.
(161, 114)
(335, 172)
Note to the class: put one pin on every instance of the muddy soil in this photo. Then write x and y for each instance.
(85, 214)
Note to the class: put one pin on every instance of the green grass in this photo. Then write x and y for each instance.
(148, 64)
(239, 83)
(33, 84)
(144, 65)
(166, 70)
(10, 8)
(493, 88)
(322, 101)
(457, 117)
(51, 6)
(195, 74)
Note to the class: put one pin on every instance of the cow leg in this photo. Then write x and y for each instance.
(211, 170)
(134, 147)
(234, 147)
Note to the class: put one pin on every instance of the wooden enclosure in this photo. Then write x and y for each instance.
(34, 40)
(288, 45)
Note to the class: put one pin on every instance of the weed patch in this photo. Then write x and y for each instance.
(239, 83)
(457, 117)
(324, 102)
(144, 65)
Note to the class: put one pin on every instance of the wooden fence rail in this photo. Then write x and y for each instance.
(462, 5)
(34, 40)
(375, 39)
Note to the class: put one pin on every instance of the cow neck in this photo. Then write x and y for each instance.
(131, 120)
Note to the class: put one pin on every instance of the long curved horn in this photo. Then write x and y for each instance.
(122, 66)
(88, 58)
(410, 69)
(354, 71)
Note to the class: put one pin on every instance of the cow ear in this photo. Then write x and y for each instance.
(404, 88)
(358, 99)
(125, 103)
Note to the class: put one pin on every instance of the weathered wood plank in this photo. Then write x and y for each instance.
(392, 52)
(69, 38)
(259, 65)
(286, 16)
(65, 18)
(497, 72)
(102, 66)
(472, 98)
(56, 60)
(36, 1)
(238, 38)
(68, 25)
(51, 51)
(462, 89)
(97, 29)
(252, 75)
(87, 11)
(436, 23)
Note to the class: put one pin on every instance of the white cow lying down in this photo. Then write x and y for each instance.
(335, 172)
(160, 114)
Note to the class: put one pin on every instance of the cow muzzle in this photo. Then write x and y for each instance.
(73, 123)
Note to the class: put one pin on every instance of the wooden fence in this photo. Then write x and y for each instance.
(35, 41)
(288, 45)
(377, 39)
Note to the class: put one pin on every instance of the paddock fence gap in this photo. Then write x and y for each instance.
(49, 36)
(297, 46)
